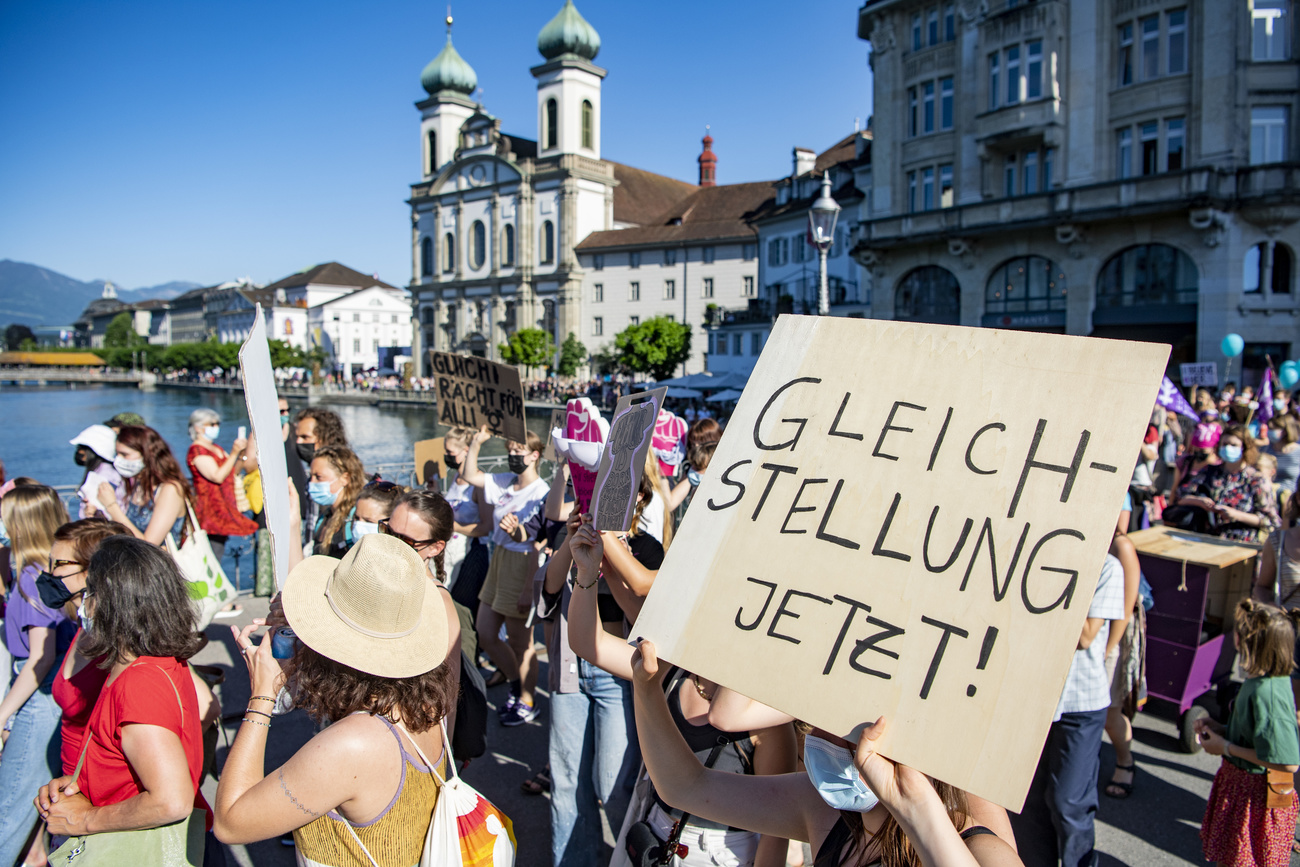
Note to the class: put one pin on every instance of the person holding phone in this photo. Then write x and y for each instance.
(1233, 491)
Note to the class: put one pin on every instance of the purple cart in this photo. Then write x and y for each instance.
(1196, 580)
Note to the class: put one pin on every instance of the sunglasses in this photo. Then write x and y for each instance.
(381, 486)
(417, 544)
(55, 564)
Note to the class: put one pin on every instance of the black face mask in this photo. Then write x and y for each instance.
(306, 451)
(517, 464)
(452, 463)
(80, 457)
(53, 591)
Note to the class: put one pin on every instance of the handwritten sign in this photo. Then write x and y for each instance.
(264, 413)
(557, 421)
(618, 479)
(1200, 373)
(474, 392)
(909, 520)
(429, 462)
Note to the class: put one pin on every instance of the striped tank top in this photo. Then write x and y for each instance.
(395, 838)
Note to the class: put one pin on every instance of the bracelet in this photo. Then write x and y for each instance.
(263, 698)
(581, 586)
(258, 712)
(256, 723)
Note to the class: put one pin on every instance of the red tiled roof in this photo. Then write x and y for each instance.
(710, 213)
(329, 274)
(642, 196)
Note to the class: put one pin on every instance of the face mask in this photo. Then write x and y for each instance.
(80, 457)
(321, 494)
(1230, 454)
(1274, 435)
(835, 777)
(452, 463)
(53, 593)
(517, 464)
(211, 432)
(306, 451)
(363, 528)
(1279, 405)
(284, 418)
(126, 469)
(81, 616)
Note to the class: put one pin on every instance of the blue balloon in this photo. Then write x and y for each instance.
(1232, 345)
(1288, 374)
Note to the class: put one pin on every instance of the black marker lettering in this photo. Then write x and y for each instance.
(793, 441)
(961, 542)
(1030, 464)
(826, 519)
(795, 508)
(727, 480)
(943, 431)
(948, 630)
(879, 549)
(771, 589)
(889, 425)
(999, 592)
(888, 630)
(834, 431)
(783, 611)
(970, 465)
(1067, 595)
(854, 607)
(776, 469)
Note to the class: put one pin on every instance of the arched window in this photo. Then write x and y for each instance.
(928, 294)
(1267, 264)
(508, 245)
(1023, 285)
(588, 125)
(548, 317)
(552, 122)
(1148, 274)
(548, 242)
(433, 152)
(426, 257)
(478, 248)
(448, 252)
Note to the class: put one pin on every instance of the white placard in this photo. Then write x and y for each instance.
(264, 414)
(1200, 373)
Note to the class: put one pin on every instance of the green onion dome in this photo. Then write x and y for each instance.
(448, 71)
(568, 33)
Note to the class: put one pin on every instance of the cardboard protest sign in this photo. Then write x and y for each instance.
(474, 392)
(618, 478)
(1200, 373)
(557, 421)
(909, 520)
(429, 463)
(264, 414)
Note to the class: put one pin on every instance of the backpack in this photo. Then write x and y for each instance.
(470, 740)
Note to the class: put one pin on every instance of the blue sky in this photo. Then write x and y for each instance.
(176, 140)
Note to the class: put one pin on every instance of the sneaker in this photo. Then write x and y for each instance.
(509, 707)
(522, 712)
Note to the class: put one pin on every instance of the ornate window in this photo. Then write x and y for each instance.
(588, 125)
(478, 244)
(928, 294)
(1268, 264)
(552, 123)
(426, 257)
(433, 152)
(508, 245)
(1148, 274)
(448, 252)
(548, 243)
(1023, 285)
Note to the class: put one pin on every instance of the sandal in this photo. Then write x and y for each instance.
(541, 782)
(1125, 789)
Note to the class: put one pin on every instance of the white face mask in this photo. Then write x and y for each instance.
(127, 468)
(835, 776)
(363, 528)
(81, 616)
(212, 431)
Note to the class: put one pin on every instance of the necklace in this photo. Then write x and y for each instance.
(695, 678)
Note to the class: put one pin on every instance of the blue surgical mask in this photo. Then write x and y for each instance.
(836, 777)
(1230, 454)
(321, 494)
(1274, 435)
(212, 432)
(86, 622)
(363, 528)
(1279, 405)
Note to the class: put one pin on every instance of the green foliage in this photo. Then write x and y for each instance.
(121, 332)
(572, 356)
(657, 346)
(16, 335)
(528, 347)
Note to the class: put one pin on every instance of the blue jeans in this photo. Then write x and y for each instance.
(29, 761)
(1056, 825)
(593, 759)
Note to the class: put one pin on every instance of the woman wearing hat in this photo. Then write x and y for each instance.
(371, 658)
(96, 451)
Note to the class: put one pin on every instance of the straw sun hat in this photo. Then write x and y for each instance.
(375, 610)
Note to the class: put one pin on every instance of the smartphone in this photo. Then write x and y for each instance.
(243, 432)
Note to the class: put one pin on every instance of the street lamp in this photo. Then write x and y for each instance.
(821, 226)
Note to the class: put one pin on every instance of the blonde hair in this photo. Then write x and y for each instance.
(459, 434)
(32, 514)
(344, 462)
(657, 483)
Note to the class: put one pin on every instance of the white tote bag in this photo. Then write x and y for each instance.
(206, 581)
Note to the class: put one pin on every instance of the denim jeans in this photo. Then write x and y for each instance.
(1056, 824)
(593, 759)
(29, 761)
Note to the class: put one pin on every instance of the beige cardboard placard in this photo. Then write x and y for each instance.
(909, 520)
(263, 404)
(557, 420)
(474, 392)
(429, 463)
(618, 478)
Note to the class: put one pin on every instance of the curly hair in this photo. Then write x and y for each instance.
(160, 464)
(330, 690)
(344, 461)
(433, 509)
(329, 427)
(141, 606)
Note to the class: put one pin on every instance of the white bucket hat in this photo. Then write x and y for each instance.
(100, 439)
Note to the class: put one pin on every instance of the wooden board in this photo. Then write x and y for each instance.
(618, 479)
(473, 392)
(909, 520)
(429, 462)
(1174, 544)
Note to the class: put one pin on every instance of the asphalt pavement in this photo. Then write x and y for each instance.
(1157, 826)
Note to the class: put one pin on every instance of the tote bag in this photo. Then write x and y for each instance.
(207, 584)
(466, 829)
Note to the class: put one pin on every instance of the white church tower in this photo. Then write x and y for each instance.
(568, 86)
(449, 81)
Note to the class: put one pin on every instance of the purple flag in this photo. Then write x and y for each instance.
(1171, 398)
(1265, 411)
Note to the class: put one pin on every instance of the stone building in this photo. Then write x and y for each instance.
(1119, 169)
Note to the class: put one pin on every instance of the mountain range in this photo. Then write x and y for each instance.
(32, 295)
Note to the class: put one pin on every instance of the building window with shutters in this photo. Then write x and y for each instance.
(670, 290)
(597, 326)
(634, 320)
(634, 291)
(598, 293)
(708, 288)
(708, 253)
(749, 286)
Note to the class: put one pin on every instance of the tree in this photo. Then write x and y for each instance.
(572, 355)
(120, 333)
(657, 346)
(529, 347)
(16, 335)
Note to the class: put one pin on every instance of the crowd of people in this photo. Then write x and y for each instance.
(403, 607)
